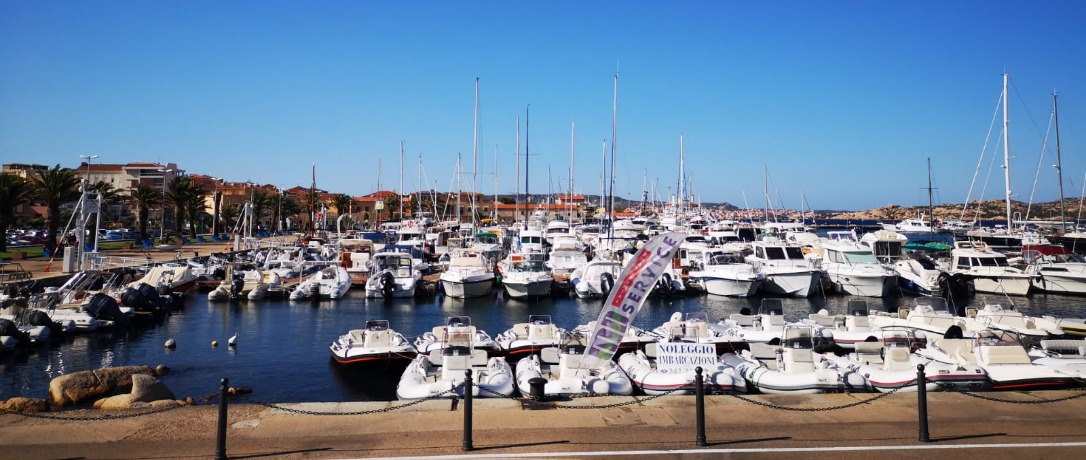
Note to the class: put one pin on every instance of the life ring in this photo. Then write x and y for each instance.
(410, 223)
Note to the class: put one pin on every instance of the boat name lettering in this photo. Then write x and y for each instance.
(684, 357)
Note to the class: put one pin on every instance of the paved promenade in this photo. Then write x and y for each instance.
(961, 427)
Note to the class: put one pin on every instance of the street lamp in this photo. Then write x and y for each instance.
(162, 215)
(81, 237)
(215, 210)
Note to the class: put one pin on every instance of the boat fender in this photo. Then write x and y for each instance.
(607, 281)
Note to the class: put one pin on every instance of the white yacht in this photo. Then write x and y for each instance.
(524, 275)
(596, 278)
(1059, 273)
(726, 274)
(565, 261)
(988, 269)
(787, 271)
(392, 275)
(853, 269)
(470, 274)
(917, 275)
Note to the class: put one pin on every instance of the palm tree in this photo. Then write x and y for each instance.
(53, 188)
(283, 206)
(14, 192)
(144, 198)
(229, 215)
(262, 203)
(343, 204)
(194, 206)
(392, 201)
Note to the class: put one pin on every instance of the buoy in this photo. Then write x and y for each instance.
(232, 341)
(214, 343)
(170, 343)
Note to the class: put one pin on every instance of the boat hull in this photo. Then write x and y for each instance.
(793, 284)
(462, 289)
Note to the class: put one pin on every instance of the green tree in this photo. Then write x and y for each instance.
(14, 192)
(285, 206)
(144, 197)
(194, 206)
(53, 188)
(392, 204)
(109, 196)
(229, 215)
(262, 204)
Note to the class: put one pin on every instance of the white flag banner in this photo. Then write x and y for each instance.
(630, 291)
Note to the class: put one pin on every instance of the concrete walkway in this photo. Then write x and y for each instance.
(961, 426)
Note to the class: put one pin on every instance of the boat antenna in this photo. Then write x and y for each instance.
(1059, 165)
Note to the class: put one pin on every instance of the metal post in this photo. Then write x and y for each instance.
(467, 411)
(922, 402)
(220, 444)
(699, 403)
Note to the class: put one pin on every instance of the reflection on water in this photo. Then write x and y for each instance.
(282, 351)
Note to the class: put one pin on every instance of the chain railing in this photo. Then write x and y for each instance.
(87, 415)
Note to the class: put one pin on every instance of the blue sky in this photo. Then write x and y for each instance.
(843, 101)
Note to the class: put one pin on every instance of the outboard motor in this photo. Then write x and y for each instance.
(41, 318)
(8, 328)
(607, 281)
(388, 284)
(152, 295)
(104, 307)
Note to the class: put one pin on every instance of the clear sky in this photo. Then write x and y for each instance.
(843, 101)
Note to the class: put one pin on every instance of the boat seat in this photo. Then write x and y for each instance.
(549, 355)
(569, 361)
(520, 330)
(741, 319)
(459, 362)
(798, 360)
(822, 320)
(479, 358)
(1002, 355)
(697, 330)
(867, 347)
(1074, 348)
(378, 339)
(897, 359)
(650, 350)
(774, 320)
(954, 347)
(540, 332)
(762, 351)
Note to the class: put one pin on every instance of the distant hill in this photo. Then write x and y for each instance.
(988, 210)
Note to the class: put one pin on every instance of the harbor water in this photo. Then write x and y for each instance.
(283, 356)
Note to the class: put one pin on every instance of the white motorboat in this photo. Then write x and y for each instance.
(525, 276)
(566, 374)
(454, 330)
(392, 275)
(256, 284)
(633, 339)
(168, 279)
(889, 364)
(646, 373)
(989, 270)
(566, 261)
(1002, 356)
(930, 315)
(853, 269)
(917, 275)
(530, 239)
(694, 328)
(787, 271)
(1066, 355)
(763, 326)
(596, 278)
(376, 343)
(554, 228)
(441, 372)
(524, 339)
(726, 275)
(1059, 273)
(470, 274)
(331, 282)
(794, 367)
(994, 316)
(355, 254)
(846, 330)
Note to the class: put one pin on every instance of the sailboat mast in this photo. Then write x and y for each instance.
(765, 169)
(420, 184)
(516, 201)
(682, 179)
(494, 208)
(527, 146)
(399, 192)
(1007, 150)
(603, 175)
(475, 151)
(931, 206)
(459, 171)
(614, 141)
(1059, 165)
(572, 156)
(378, 219)
(312, 197)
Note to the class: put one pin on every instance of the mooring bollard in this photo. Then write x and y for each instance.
(220, 444)
(699, 403)
(467, 410)
(922, 402)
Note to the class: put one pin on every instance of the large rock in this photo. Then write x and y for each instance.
(114, 402)
(80, 386)
(146, 388)
(26, 405)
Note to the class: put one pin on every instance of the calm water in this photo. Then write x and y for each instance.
(283, 355)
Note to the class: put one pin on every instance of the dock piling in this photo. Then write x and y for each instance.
(922, 402)
(467, 411)
(220, 443)
(699, 404)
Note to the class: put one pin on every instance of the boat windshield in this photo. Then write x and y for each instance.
(860, 257)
